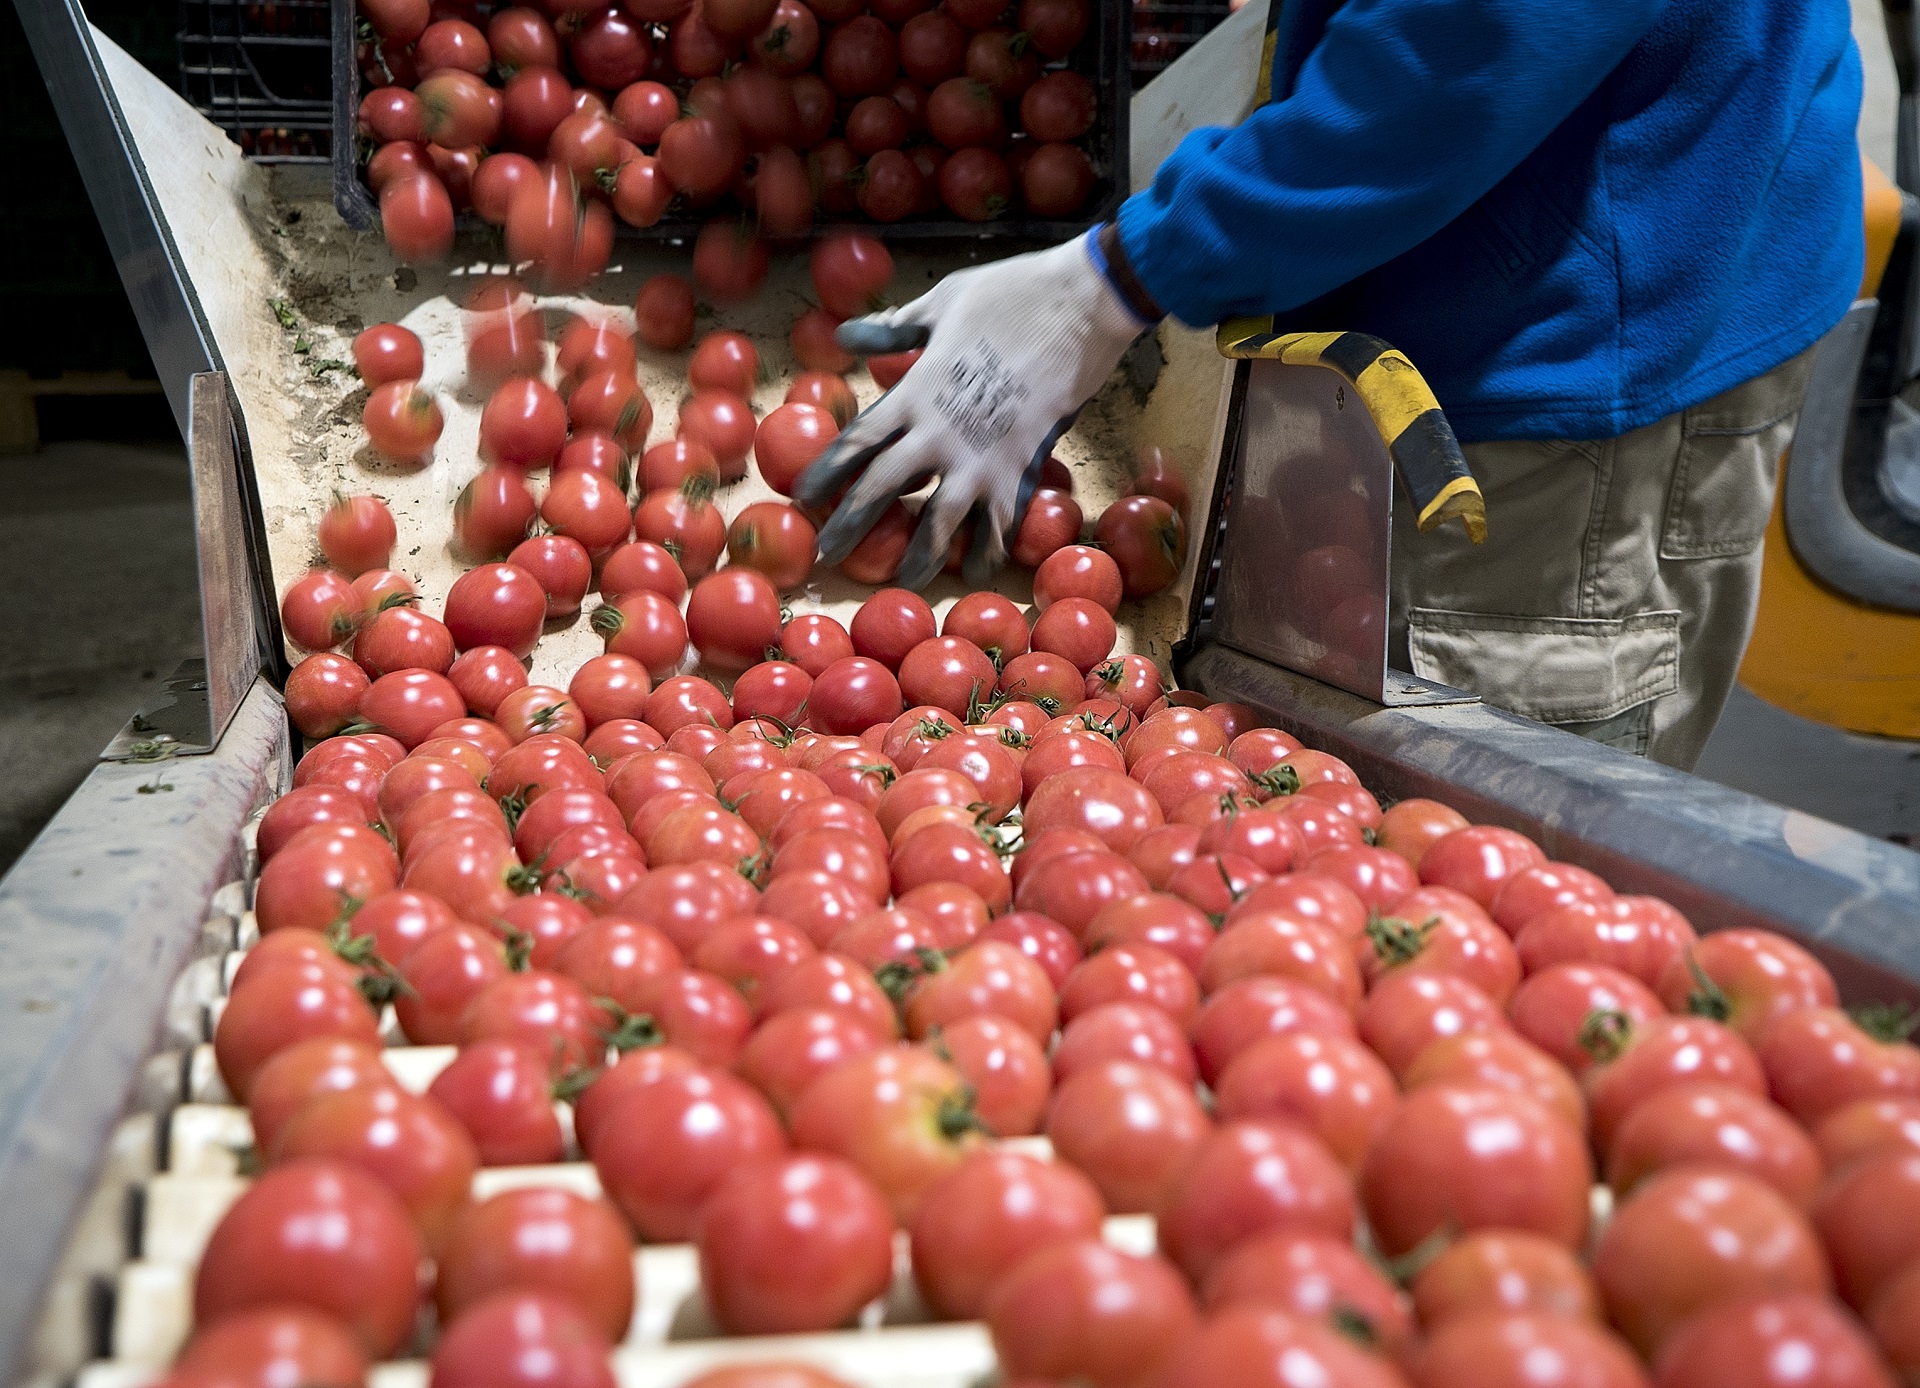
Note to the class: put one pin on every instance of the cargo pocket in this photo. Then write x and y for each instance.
(1722, 489)
(1552, 669)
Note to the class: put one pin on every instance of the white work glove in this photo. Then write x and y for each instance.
(1013, 350)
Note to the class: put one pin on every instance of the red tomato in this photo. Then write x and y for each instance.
(317, 871)
(1694, 1236)
(284, 1005)
(794, 1243)
(1437, 930)
(303, 1071)
(662, 1150)
(388, 352)
(851, 270)
(1080, 1310)
(982, 1218)
(900, 1114)
(733, 617)
(1144, 535)
(444, 973)
(1766, 1341)
(1552, 1008)
(1244, 1012)
(1747, 979)
(1895, 1318)
(1638, 1060)
(1247, 1177)
(775, 539)
(1131, 973)
(1868, 1216)
(1499, 1060)
(794, 1047)
(853, 694)
(1006, 1070)
(1503, 1349)
(1132, 1129)
(1715, 1125)
(283, 1344)
(318, 610)
(1330, 1085)
(664, 312)
(1315, 1277)
(541, 1239)
(319, 1234)
(1536, 890)
(1106, 803)
(685, 523)
(834, 982)
(1468, 1157)
(789, 440)
(1409, 827)
(1504, 1270)
(1317, 899)
(1479, 860)
(500, 1093)
(1077, 571)
(520, 1339)
(1274, 944)
(1076, 629)
(1866, 1126)
(1639, 935)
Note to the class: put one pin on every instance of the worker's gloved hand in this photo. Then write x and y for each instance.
(1013, 350)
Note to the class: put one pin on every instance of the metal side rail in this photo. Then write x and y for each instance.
(97, 920)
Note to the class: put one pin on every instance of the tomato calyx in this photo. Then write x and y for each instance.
(978, 709)
(606, 619)
(542, 721)
(887, 774)
(958, 1116)
(1276, 781)
(933, 729)
(1014, 738)
(756, 868)
(514, 805)
(631, 1031)
(1409, 1265)
(563, 886)
(1886, 1022)
(1355, 1324)
(518, 945)
(1707, 998)
(1397, 941)
(896, 977)
(1605, 1033)
(379, 982)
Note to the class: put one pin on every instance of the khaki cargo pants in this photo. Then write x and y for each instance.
(1617, 587)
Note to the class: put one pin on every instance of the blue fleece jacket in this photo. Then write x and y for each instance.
(1574, 218)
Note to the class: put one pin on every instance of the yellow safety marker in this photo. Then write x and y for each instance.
(1399, 402)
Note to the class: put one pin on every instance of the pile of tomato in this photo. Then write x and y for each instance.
(761, 114)
(800, 963)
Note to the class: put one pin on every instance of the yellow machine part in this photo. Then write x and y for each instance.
(1818, 653)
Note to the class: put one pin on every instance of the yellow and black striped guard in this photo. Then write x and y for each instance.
(1403, 409)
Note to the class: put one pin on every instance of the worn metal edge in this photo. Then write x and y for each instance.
(1723, 857)
(96, 921)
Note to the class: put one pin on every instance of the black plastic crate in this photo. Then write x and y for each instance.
(1105, 57)
(262, 71)
(1163, 32)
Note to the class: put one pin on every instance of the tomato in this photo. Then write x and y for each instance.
(1329, 1084)
(664, 312)
(827, 391)
(561, 566)
(356, 534)
(318, 1234)
(477, 876)
(323, 691)
(539, 765)
(416, 216)
(900, 1114)
(791, 1244)
(725, 361)
(787, 44)
(646, 628)
(1409, 827)
(318, 870)
(1433, 930)
(443, 973)
(1479, 860)
(1242, 1013)
(1145, 536)
(1055, 27)
(850, 270)
(492, 513)
(1637, 1060)
(318, 610)
(1078, 571)
(541, 1239)
(519, 1339)
(388, 352)
(302, 1071)
(567, 236)
(1499, 1060)
(1552, 1006)
(790, 440)
(284, 1344)
(1157, 919)
(1077, 1309)
(836, 983)
(1503, 1270)
(1867, 1126)
(498, 1091)
(1694, 1236)
(887, 370)
(662, 1150)
(1746, 978)
(1470, 1157)
(794, 1047)
(1060, 106)
(1104, 802)
(775, 540)
(1247, 1177)
(1076, 629)
(733, 617)
(1766, 1340)
(1513, 1349)
(546, 1010)
(303, 807)
(1534, 891)
(642, 566)
(1131, 1128)
(1315, 1277)
(890, 624)
(1123, 1031)
(1895, 1318)
(411, 1145)
(1639, 935)
(1715, 1125)
(1867, 1216)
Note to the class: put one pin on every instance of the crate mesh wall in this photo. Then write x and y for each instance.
(262, 73)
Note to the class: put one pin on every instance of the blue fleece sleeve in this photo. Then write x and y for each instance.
(1404, 114)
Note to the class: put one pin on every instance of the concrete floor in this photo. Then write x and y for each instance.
(103, 604)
